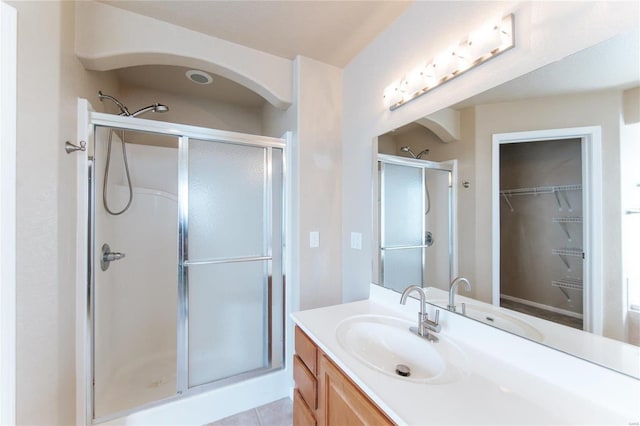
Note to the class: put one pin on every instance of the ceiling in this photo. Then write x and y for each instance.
(329, 31)
(332, 32)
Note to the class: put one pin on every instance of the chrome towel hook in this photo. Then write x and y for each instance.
(69, 147)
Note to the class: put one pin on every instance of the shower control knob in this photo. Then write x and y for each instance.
(108, 256)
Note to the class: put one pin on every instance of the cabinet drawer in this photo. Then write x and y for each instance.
(307, 351)
(302, 414)
(305, 383)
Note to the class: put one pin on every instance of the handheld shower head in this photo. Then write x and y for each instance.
(154, 108)
(124, 111)
(419, 156)
(407, 149)
(423, 152)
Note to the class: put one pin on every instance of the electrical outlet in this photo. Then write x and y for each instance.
(356, 240)
(314, 239)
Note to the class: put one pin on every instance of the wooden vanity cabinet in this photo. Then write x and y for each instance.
(324, 395)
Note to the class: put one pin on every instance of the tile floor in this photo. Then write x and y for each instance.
(278, 413)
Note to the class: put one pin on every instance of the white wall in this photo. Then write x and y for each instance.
(319, 103)
(190, 110)
(545, 31)
(49, 80)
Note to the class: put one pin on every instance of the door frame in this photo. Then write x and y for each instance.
(8, 106)
(591, 144)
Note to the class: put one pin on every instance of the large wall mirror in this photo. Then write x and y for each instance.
(544, 214)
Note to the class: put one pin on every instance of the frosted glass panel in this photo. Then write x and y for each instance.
(402, 205)
(226, 200)
(402, 268)
(227, 320)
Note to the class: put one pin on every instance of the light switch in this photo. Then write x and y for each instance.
(356, 240)
(314, 239)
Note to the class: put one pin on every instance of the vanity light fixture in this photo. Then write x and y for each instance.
(479, 46)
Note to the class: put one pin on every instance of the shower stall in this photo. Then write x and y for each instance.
(185, 288)
(416, 226)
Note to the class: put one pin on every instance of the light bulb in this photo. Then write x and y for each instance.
(444, 64)
(484, 41)
(392, 94)
(416, 81)
(463, 57)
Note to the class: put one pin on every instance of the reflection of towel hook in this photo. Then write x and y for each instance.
(69, 147)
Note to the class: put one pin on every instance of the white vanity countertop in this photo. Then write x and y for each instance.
(500, 387)
(618, 355)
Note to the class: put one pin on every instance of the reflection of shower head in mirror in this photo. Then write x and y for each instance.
(419, 156)
(407, 149)
(421, 153)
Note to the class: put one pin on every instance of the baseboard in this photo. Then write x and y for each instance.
(542, 306)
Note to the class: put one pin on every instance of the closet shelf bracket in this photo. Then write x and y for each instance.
(563, 253)
(562, 222)
(568, 283)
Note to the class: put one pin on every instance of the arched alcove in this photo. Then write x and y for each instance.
(109, 38)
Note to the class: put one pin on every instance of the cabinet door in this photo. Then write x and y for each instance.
(342, 403)
(302, 414)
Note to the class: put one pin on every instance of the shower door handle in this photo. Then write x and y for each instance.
(108, 256)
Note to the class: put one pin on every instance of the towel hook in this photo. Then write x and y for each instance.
(69, 147)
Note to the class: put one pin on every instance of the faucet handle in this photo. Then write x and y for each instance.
(433, 325)
(437, 319)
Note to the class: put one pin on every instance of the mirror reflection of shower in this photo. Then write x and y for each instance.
(428, 236)
(417, 157)
(124, 111)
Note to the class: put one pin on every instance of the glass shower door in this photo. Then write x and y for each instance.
(401, 219)
(231, 259)
(416, 228)
(190, 291)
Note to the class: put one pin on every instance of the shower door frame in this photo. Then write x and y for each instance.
(450, 166)
(85, 410)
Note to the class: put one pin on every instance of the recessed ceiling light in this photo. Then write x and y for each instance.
(199, 77)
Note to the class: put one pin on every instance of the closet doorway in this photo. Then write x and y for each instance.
(545, 264)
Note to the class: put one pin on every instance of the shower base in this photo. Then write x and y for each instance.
(135, 385)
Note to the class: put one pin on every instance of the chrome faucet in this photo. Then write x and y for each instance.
(452, 291)
(424, 323)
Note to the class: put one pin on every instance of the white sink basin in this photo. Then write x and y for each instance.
(382, 342)
(497, 318)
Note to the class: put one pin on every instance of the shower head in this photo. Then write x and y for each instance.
(154, 108)
(407, 149)
(123, 109)
(419, 156)
(423, 152)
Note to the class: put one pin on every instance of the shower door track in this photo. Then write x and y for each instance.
(184, 133)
